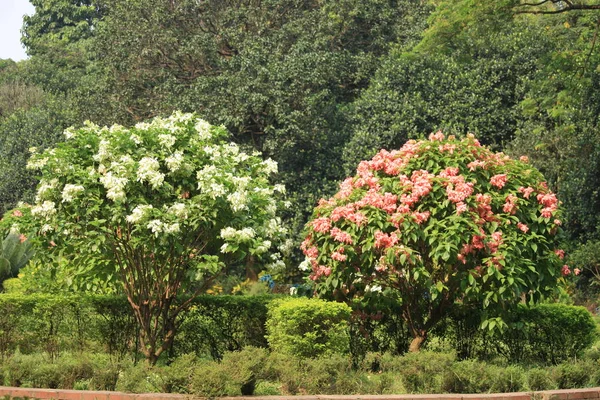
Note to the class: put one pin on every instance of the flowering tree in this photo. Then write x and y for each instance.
(434, 223)
(160, 206)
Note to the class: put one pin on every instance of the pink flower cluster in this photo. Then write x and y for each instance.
(510, 206)
(526, 191)
(484, 208)
(384, 240)
(386, 201)
(339, 255)
(550, 203)
(457, 189)
(499, 180)
(341, 236)
(419, 185)
(321, 225)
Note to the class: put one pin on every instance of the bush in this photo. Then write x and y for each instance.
(308, 327)
(420, 372)
(218, 324)
(547, 333)
(468, 376)
(572, 375)
(508, 379)
(245, 367)
(210, 380)
(540, 379)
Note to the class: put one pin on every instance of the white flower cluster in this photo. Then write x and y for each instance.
(207, 181)
(157, 227)
(114, 185)
(167, 140)
(174, 161)
(45, 188)
(103, 151)
(179, 210)
(238, 201)
(234, 235)
(148, 172)
(117, 128)
(46, 209)
(69, 133)
(305, 265)
(270, 166)
(70, 191)
(37, 163)
(203, 129)
(277, 265)
(138, 213)
(263, 247)
(135, 138)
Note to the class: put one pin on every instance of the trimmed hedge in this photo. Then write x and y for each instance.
(57, 323)
(546, 333)
(52, 324)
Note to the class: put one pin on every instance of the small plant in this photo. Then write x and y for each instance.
(308, 327)
(16, 252)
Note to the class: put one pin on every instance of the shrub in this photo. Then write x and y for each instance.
(245, 367)
(420, 372)
(572, 375)
(308, 327)
(508, 379)
(218, 324)
(540, 379)
(210, 380)
(432, 223)
(166, 201)
(468, 376)
(547, 333)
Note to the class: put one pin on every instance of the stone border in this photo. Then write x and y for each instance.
(57, 394)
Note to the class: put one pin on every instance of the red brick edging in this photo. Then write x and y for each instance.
(57, 394)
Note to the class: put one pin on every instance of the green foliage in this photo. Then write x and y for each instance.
(414, 93)
(308, 327)
(277, 74)
(218, 324)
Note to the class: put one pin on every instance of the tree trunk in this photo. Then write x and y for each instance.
(417, 342)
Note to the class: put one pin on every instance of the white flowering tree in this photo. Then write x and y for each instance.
(160, 206)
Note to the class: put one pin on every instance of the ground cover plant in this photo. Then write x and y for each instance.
(437, 222)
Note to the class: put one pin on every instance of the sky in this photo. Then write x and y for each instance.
(11, 20)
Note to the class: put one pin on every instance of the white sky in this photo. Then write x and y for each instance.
(11, 20)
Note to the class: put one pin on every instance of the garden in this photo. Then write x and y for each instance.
(291, 197)
(435, 269)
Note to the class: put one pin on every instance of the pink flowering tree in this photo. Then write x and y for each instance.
(435, 223)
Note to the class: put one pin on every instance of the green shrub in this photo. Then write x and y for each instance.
(572, 375)
(139, 378)
(547, 333)
(468, 376)
(245, 367)
(420, 372)
(218, 324)
(210, 380)
(308, 327)
(511, 378)
(540, 379)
